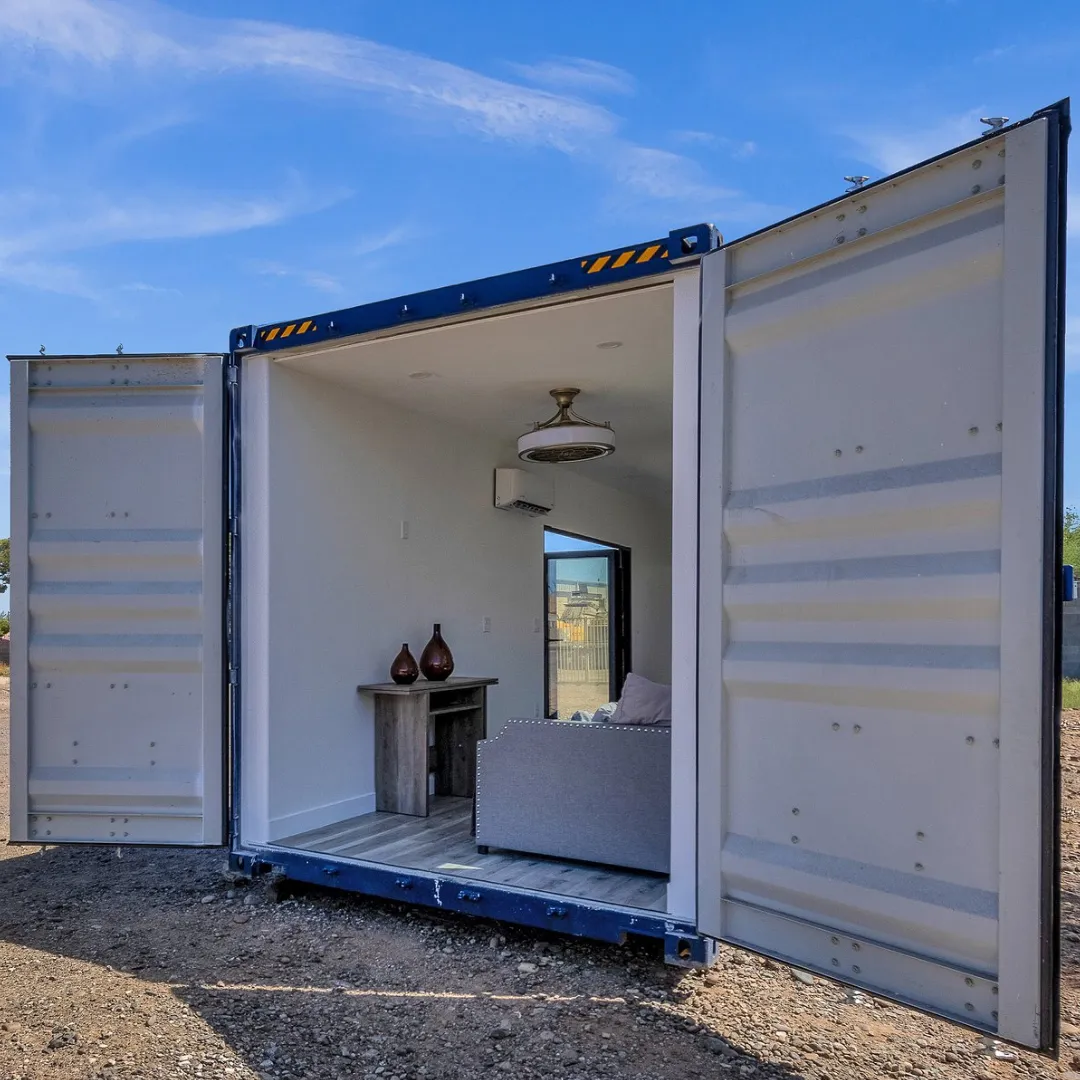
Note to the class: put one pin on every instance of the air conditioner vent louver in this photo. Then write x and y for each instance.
(530, 508)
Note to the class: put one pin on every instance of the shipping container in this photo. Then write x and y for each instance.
(830, 525)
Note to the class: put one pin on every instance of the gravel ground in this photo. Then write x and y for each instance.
(150, 963)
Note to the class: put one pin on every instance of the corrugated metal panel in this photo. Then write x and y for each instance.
(856, 753)
(116, 560)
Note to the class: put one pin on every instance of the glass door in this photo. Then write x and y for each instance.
(586, 644)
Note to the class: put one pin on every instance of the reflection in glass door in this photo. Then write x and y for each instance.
(586, 641)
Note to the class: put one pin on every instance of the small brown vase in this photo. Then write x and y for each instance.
(404, 670)
(436, 661)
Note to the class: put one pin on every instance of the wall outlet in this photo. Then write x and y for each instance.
(404, 530)
(485, 625)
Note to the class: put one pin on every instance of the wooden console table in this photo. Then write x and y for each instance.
(423, 728)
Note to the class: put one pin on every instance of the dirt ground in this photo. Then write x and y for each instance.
(149, 963)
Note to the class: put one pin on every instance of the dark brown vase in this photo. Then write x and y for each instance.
(404, 670)
(436, 661)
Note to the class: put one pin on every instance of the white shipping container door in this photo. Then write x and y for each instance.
(116, 564)
(879, 498)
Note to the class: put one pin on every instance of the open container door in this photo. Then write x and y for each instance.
(116, 620)
(879, 598)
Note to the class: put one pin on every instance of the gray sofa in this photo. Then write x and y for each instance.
(592, 792)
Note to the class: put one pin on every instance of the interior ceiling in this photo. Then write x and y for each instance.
(493, 375)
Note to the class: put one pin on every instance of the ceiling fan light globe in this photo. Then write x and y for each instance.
(566, 442)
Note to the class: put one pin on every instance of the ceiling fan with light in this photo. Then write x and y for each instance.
(566, 436)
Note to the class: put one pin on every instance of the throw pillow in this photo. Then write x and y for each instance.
(643, 702)
(603, 714)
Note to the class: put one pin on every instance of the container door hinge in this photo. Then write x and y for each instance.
(234, 676)
(230, 375)
(688, 245)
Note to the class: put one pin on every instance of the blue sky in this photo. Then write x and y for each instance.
(171, 171)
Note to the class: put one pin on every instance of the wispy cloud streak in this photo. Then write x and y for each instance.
(891, 149)
(150, 37)
(570, 73)
(104, 33)
(77, 224)
(37, 230)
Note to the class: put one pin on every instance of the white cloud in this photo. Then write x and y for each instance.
(314, 279)
(37, 227)
(994, 54)
(48, 277)
(891, 150)
(1048, 50)
(143, 128)
(490, 106)
(100, 33)
(152, 37)
(737, 148)
(146, 287)
(576, 74)
(357, 256)
(702, 138)
(646, 173)
(126, 39)
(105, 33)
(661, 174)
(369, 245)
(74, 224)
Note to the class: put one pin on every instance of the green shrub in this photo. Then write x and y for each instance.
(1070, 694)
(1070, 548)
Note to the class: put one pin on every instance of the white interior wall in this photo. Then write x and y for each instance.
(255, 595)
(340, 473)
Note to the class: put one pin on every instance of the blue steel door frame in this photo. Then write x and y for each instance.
(681, 247)
(566, 915)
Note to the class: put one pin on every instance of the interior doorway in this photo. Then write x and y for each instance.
(587, 623)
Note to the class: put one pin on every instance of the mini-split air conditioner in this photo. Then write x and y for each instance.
(516, 489)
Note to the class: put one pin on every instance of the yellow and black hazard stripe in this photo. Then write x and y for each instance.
(617, 260)
(280, 333)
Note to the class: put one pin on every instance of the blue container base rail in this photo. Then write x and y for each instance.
(683, 946)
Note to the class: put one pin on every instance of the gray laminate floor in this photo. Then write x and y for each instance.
(441, 841)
